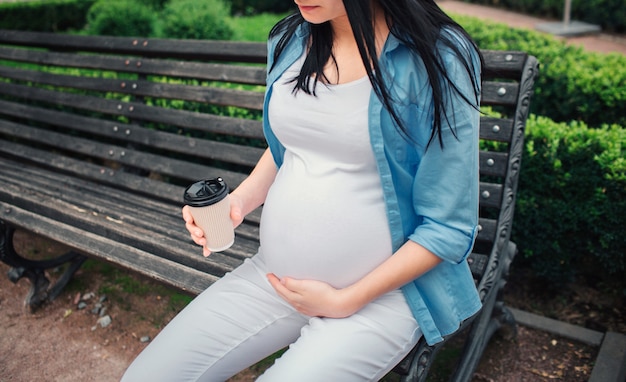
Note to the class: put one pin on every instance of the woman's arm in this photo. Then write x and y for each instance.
(250, 194)
(316, 298)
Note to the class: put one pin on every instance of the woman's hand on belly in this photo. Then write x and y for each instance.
(320, 299)
(314, 298)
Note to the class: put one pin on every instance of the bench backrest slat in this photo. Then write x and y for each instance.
(493, 163)
(205, 50)
(159, 190)
(139, 111)
(496, 129)
(216, 96)
(237, 154)
(145, 66)
(504, 64)
(107, 152)
(499, 93)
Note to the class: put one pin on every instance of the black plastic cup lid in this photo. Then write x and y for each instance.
(206, 192)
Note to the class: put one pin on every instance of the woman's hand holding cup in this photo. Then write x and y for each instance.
(197, 234)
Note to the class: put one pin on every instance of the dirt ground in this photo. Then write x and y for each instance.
(60, 342)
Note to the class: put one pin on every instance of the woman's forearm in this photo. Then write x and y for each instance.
(317, 298)
(253, 190)
(408, 263)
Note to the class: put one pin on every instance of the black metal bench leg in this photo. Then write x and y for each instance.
(74, 264)
(416, 365)
(481, 332)
(492, 317)
(34, 270)
(39, 283)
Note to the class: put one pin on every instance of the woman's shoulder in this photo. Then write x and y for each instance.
(449, 41)
(286, 36)
(289, 27)
(453, 42)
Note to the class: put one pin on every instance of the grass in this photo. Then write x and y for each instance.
(119, 283)
(254, 28)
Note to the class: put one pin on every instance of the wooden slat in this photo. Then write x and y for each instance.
(487, 229)
(503, 64)
(73, 167)
(104, 152)
(102, 173)
(138, 185)
(174, 143)
(477, 263)
(203, 94)
(163, 270)
(145, 47)
(499, 93)
(499, 64)
(493, 163)
(150, 217)
(146, 66)
(490, 195)
(140, 222)
(136, 110)
(496, 129)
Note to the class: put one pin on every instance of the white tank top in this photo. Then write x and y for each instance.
(324, 217)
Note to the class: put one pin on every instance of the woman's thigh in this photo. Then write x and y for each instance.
(236, 322)
(362, 347)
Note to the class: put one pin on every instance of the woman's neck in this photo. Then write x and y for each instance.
(348, 65)
(342, 30)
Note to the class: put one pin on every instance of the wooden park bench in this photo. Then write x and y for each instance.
(99, 136)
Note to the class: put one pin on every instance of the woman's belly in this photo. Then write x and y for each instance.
(329, 226)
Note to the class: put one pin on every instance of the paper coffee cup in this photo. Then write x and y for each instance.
(209, 205)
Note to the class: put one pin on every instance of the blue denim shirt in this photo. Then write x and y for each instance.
(431, 195)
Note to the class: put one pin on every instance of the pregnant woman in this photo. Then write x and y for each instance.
(370, 194)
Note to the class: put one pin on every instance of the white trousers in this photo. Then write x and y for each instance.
(240, 320)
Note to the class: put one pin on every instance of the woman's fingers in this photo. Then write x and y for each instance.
(196, 232)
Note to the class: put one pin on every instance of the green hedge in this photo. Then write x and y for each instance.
(571, 206)
(181, 19)
(196, 19)
(45, 16)
(120, 18)
(609, 14)
(250, 7)
(573, 84)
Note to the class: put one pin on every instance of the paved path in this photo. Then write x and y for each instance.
(600, 42)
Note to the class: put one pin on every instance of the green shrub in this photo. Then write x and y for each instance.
(609, 14)
(256, 27)
(250, 7)
(572, 84)
(120, 18)
(571, 206)
(196, 19)
(154, 4)
(44, 16)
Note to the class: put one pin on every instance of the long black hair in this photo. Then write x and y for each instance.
(416, 23)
